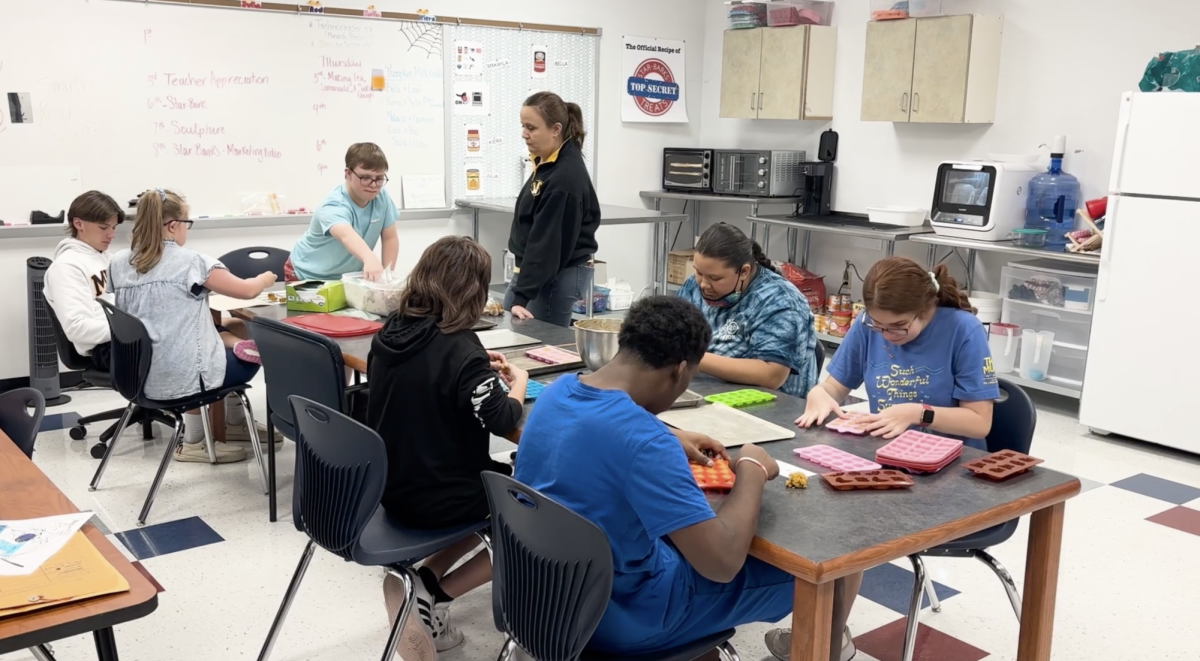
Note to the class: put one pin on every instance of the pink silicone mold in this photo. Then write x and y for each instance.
(838, 460)
(914, 448)
(847, 425)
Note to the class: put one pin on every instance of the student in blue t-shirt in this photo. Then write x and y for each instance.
(594, 445)
(921, 352)
(762, 326)
(345, 228)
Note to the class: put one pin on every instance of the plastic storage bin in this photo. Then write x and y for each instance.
(799, 12)
(599, 301)
(886, 10)
(930, 8)
(381, 298)
(746, 15)
(1051, 284)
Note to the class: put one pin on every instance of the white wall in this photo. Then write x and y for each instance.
(1064, 66)
(628, 155)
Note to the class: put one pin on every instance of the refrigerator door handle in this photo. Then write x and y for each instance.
(1110, 243)
(1123, 123)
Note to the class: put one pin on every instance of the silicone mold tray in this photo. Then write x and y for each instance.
(846, 425)
(880, 479)
(741, 398)
(552, 355)
(1002, 465)
(914, 449)
(533, 390)
(838, 460)
(718, 477)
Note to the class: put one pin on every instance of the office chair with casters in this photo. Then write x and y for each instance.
(298, 362)
(132, 352)
(820, 358)
(249, 262)
(341, 470)
(21, 413)
(552, 577)
(1014, 419)
(97, 378)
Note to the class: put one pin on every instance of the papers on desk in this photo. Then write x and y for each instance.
(222, 303)
(77, 571)
(28, 543)
(787, 470)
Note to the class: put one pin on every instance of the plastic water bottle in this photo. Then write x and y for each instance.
(1053, 198)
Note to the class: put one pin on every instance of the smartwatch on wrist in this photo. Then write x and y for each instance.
(926, 416)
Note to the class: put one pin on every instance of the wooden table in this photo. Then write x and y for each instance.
(28, 493)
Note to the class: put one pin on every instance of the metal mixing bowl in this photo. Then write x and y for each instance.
(596, 340)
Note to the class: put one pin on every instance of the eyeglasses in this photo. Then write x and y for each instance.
(371, 181)
(898, 331)
(186, 223)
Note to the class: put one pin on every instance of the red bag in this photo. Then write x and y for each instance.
(812, 286)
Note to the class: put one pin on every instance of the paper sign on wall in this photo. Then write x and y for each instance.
(653, 75)
(424, 191)
(474, 140)
(540, 62)
(471, 98)
(468, 58)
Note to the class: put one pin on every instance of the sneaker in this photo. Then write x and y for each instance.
(198, 453)
(415, 643)
(435, 617)
(247, 351)
(779, 644)
(240, 433)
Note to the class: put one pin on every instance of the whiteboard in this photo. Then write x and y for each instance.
(227, 106)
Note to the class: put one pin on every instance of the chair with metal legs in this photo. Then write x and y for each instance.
(132, 351)
(552, 577)
(341, 470)
(1014, 419)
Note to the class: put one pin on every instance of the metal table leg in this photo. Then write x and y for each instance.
(753, 225)
(807, 241)
(793, 236)
(766, 245)
(106, 644)
(889, 248)
(697, 214)
(970, 269)
(931, 256)
(475, 224)
(664, 252)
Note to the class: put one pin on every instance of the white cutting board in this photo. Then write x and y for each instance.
(503, 338)
(726, 424)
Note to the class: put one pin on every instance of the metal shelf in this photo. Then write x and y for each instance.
(830, 339)
(1045, 386)
(1005, 247)
(710, 197)
(842, 224)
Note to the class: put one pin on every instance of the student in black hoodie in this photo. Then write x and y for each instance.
(436, 398)
(553, 236)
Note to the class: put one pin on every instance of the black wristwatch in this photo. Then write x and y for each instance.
(926, 415)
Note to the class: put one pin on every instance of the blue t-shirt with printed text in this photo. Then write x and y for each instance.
(602, 456)
(771, 322)
(320, 256)
(948, 363)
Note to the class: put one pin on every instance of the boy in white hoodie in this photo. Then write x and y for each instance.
(80, 271)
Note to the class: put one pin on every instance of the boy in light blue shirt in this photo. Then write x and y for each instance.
(349, 223)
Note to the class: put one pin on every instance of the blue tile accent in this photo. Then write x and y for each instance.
(891, 586)
(170, 537)
(1156, 487)
(59, 421)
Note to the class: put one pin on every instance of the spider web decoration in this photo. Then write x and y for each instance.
(423, 36)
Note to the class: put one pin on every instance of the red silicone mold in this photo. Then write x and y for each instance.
(838, 460)
(1002, 465)
(880, 479)
(920, 451)
(552, 355)
(718, 477)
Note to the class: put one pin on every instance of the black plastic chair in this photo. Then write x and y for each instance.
(132, 352)
(21, 413)
(820, 358)
(341, 470)
(297, 362)
(249, 262)
(97, 378)
(552, 577)
(1014, 419)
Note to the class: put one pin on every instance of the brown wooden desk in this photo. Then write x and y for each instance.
(28, 493)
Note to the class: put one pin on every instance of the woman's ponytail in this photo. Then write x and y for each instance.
(574, 127)
(948, 293)
(761, 257)
(901, 286)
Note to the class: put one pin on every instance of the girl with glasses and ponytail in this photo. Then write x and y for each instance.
(922, 354)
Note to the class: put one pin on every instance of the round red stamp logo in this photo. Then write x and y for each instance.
(653, 88)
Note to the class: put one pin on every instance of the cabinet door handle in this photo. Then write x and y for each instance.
(916, 102)
(760, 97)
(752, 102)
(904, 102)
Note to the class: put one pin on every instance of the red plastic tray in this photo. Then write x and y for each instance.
(1002, 465)
(331, 325)
(880, 479)
(718, 477)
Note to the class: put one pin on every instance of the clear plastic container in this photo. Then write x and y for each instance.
(1070, 328)
(799, 12)
(380, 298)
(930, 8)
(888, 10)
(1053, 199)
(1045, 283)
(743, 15)
(1027, 238)
(1036, 349)
(1005, 342)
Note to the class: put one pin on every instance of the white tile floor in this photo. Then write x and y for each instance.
(1128, 590)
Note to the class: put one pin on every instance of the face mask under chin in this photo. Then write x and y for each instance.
(728, 300)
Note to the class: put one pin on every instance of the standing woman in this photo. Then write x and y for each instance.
(553, 236)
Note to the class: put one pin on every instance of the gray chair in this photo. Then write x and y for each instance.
(1014, 419)
(552, 577)
(21, 413)
(249, 262)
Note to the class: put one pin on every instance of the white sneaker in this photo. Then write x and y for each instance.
(198, 453)
(435, 618)
(779, 644)
(240, 433)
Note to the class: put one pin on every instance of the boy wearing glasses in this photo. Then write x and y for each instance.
(345, 228)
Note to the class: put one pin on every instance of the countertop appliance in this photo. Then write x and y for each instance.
(816, 193)
(982, 200)
(687, 170)
(758, 173)
(1147, 264)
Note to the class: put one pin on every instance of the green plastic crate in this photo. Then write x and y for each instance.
(741, 398)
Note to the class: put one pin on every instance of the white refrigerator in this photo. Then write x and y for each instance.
(1144, 354)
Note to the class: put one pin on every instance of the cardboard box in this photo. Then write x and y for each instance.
(599, 272)
(679, 266)
(316, 296)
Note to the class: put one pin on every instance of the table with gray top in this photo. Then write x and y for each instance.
(820, 535)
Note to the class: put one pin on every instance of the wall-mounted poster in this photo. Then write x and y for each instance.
(653, 77)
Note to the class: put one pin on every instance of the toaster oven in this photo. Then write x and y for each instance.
(687, 170)
(758, 173)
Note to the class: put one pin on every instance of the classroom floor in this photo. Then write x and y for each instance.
(1130, 542)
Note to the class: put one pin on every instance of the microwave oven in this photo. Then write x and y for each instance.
(687, 170)
(758, 173)
(982, 200)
